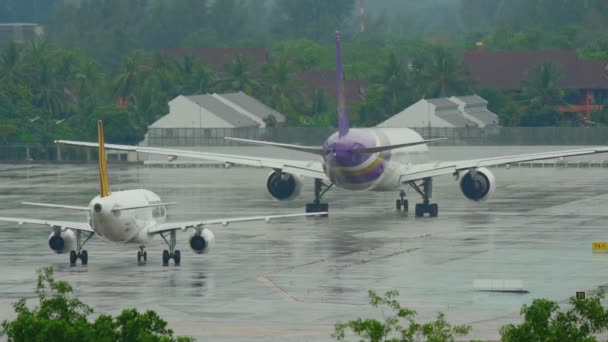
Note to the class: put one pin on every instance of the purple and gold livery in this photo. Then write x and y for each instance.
(344, 164)
(350, 169)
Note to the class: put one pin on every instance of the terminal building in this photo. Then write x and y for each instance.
(453, 112)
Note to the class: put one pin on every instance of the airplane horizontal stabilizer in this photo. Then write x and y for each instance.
(145, 206)
(48, 205)
(309, 149)
(393, 147)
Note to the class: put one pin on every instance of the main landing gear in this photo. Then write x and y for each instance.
(172, 253)
(142, 255)
(79, 253)
(425, 189)
(316, 206)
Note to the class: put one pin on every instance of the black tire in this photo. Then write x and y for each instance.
(145, 256)
(166, 258)
(138, 256)
(405, 205)
(84, 257)
(434, 210)
(419, 210)
(73, 258)
(177, 257)
(398, 204)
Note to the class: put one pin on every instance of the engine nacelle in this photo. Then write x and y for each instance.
(283, 186)
(202, 241)
(478, 184)
(63, 242)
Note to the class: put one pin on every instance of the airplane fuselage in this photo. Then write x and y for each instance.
(126, 226)
(376, 171)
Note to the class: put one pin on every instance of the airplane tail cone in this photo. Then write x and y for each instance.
(104, 185)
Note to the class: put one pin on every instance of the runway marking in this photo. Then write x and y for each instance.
(275, 288)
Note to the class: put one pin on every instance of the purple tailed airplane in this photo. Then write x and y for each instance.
(363, 159)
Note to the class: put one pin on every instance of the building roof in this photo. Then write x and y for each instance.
(253, 106)
(326, 80)
(476, 106)
(507, 69)
(218, 57)
(236, 109)
(226, 113)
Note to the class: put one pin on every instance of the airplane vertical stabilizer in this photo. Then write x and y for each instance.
(343, 125)
(104, 185)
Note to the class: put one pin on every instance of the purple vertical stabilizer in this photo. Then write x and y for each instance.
(342, 114)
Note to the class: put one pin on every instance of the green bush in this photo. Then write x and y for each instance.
(61, 317)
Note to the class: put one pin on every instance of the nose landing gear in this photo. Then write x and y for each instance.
(79, 253)
(402, 202)
(172, 253)
(142, 255)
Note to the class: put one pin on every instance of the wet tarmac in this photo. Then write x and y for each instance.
(292, 280)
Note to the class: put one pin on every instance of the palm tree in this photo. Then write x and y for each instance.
(280, 90)
(440, 74)
(195, 77)
(239, 77)
(10, 63)
(127, 81)
(542, 83)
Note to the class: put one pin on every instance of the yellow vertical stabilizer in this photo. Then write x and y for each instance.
(104, 185)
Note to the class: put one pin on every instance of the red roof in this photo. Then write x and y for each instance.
(222, 56)
(507, 69)
(326, 80)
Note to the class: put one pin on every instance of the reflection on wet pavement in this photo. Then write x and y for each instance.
(291, 280)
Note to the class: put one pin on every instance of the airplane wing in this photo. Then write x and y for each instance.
(420, 171)
(185, 225)
(313, 169)
(50, 223)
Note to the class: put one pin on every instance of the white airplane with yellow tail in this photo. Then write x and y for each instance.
(129, 217)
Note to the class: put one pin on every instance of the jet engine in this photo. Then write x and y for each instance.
(201, 241)
(62, 242)
(283, 186)
(478, 184)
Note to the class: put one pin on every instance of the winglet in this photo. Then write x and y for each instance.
(343, 125)
(104, 185)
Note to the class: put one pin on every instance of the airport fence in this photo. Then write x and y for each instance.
(316, 136)
(176, 137)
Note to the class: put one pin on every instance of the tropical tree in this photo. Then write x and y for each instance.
(438, 73)
(398, 326)
(543, 321)
(312, 19)
(239, 77)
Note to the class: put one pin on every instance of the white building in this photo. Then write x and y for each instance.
(233, 110)
(207, 119)
(453, 112)
(475, 109)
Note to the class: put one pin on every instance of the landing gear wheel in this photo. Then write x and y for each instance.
(84, 257)
(73, 258)
(402, 202)
(166, 258)
(434, 210)
(316, 206)
(177, 258)
(139, 256)
(145, 256)
(419, 210)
